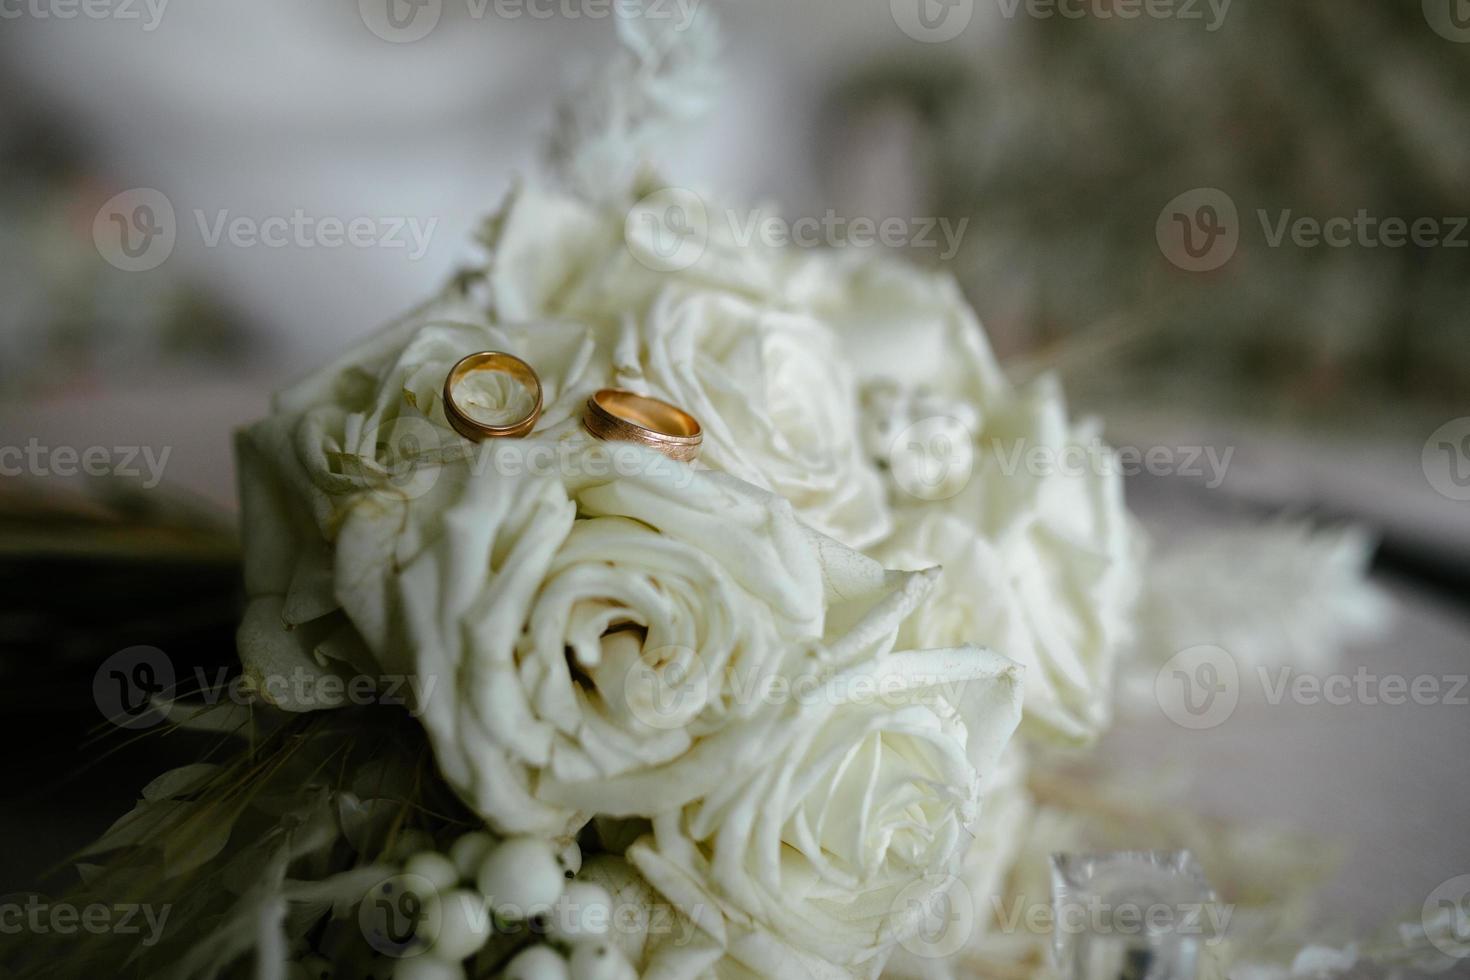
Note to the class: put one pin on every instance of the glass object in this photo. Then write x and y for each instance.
(1130, 915)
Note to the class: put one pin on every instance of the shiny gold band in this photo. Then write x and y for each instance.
(613, 413)
(491, 360)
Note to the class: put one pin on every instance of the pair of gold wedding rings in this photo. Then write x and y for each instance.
(611, 413)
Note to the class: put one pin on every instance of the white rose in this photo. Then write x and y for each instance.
(612, 635)
(1042, 565)
(728, 339)
(1023, 509)
(348, 448)
(821, 860)
(595, 641)
(965, 926)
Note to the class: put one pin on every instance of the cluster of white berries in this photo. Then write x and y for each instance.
(889, 408)
(444, 908)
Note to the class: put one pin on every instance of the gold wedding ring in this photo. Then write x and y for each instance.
(491, 360)
(615, 414)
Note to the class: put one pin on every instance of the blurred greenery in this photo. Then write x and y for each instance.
(1065, 143)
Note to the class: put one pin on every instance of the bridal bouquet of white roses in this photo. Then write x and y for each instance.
(784, 673)
(748, 716)
(526, 700)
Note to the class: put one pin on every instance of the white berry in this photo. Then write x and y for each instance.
(456, 925)
(537, 963)
(468, 853)
(435, 868)
(411, 841)
(521, 876)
